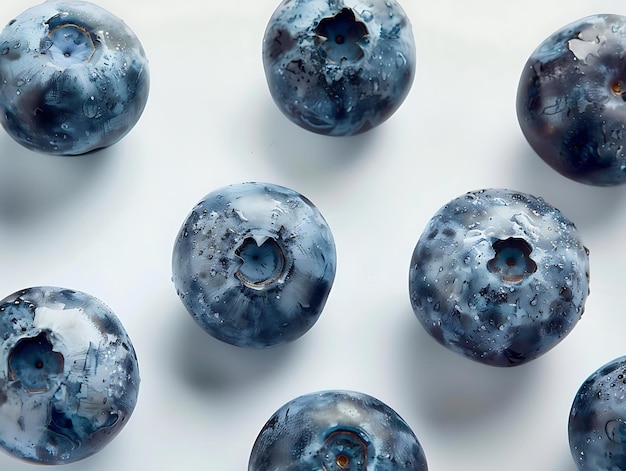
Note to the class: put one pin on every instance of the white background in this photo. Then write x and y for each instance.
(106, 224)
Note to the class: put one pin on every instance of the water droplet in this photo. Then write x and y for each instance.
(400, 60)
(367, 16)
(5, 51)
(90, 108)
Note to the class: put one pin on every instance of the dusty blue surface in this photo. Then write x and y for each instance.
(254, 263)
(597, 422)
(499, 276)
(69, 377)
(333, 431)
(73, 78)
(571, 100)
(339, 67)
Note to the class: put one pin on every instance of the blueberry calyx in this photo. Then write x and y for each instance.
(68, 43)
(33, 363)
(341, 36)
(345, 449)
(512, 259)
(262, 262)
(618, 89)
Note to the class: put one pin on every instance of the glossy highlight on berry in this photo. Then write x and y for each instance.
(336, 430)
(69, 377)
(339, 67)
(254, 263)
(73, 78)
(571, 100)
(499, 276)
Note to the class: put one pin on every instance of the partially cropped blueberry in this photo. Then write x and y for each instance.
(254, 263)
(73, 78)
(597, 421)
(571, 100)
(499, 276)
(68, 375)
(334, 431)
(339, 67)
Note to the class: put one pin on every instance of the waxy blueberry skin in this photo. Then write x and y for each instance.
(571, 100)
(339, 67)
(499, 276)
(334, 431)
(73, 78)
(254, 263)
(597, 421)
(69, 377)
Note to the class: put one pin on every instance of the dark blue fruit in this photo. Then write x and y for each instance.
(499, 276)
(339, 67)
(571, 100)
(335, 431)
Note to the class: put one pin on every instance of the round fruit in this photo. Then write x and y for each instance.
(597, 421)
(254, 264)
(339, 68)
(73, 78)
(499, 276)
(68, 375)
(334, 431)
(571, 101)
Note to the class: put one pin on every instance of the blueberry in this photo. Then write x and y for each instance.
(68, 375)
(597, 421)
(339, 67)
(73, 78)
(571, 101)
(254, 264)
(333, 431)
(499, 276)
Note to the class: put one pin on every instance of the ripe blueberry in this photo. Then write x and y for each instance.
(571, 100)
(68, 375)
(73, 78)
(254, 263)
(499, 276)
(339, 67)
(597, 421)
(334, 431)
